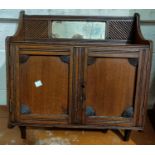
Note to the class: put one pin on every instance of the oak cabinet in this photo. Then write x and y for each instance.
(78, 83)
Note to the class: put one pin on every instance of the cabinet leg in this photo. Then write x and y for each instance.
(127, 135)
(10, 126)
(23, 131)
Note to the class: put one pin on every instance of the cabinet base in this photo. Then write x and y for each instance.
(126, 136)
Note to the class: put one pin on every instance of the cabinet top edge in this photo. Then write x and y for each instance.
(88, 44)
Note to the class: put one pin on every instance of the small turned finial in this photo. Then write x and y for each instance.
(137, 15)
(22, 12)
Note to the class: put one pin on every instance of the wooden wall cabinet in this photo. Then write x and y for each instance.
(78, 83)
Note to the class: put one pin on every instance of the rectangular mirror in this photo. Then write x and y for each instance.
(78, 30)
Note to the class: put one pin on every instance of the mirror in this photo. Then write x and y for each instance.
(78, 30)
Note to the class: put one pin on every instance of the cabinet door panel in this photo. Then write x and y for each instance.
(44, 86)
(110, 87)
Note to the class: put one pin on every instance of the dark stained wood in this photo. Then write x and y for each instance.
(151, 114)
(85, 84)
(127, 135)
(23, 131)
(78, 85)
(138, 37)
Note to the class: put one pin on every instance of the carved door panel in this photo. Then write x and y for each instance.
(111, 87)
(45, 84)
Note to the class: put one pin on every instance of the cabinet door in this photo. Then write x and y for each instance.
(44, 84)
(111, 79)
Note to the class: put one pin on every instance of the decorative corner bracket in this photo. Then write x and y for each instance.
(91, 60)
(65, 59)
(23, 58)
(128, 113)
(90, 111)
(133, 61)
(24, 109)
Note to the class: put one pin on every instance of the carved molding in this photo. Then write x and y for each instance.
(23, 58)
(65, 59)
(133, 61)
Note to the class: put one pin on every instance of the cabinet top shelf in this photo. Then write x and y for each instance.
(80, 29)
